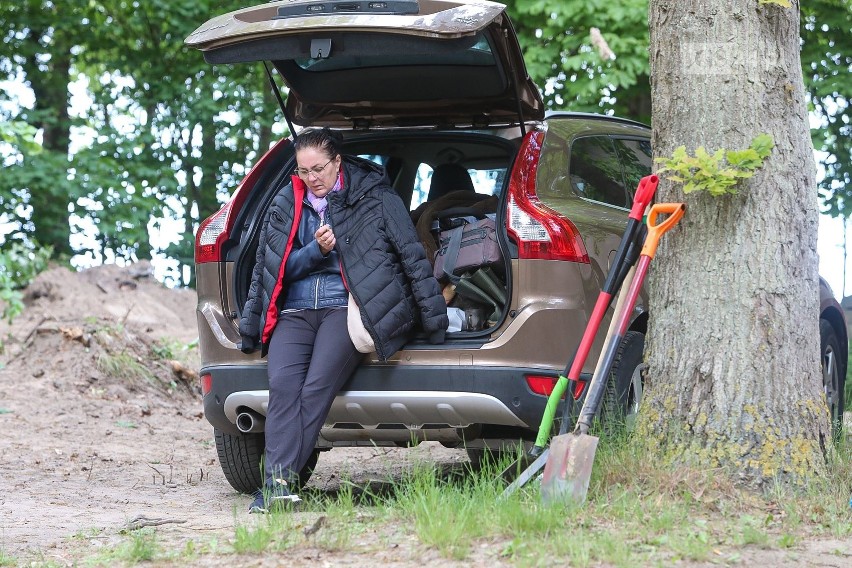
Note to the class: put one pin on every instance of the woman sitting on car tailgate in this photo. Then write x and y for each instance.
(338, 225)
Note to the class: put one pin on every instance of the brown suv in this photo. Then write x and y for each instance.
(437, 93)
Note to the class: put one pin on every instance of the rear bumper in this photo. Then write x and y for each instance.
(395, 403)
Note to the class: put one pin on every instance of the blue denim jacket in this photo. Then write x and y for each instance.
(312, 280)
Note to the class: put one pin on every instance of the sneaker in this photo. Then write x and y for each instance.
(272, 495)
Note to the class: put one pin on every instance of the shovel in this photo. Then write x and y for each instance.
(528, 465)
(568, 467)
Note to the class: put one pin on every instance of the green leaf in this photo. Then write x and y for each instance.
(717, 173)
(743, 158)
(763, 145)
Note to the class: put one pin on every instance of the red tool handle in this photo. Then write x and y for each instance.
(644, 195)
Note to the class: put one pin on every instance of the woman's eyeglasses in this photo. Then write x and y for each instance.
(316, 170)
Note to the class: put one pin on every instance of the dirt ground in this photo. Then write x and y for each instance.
(102, 430)
(102, 420)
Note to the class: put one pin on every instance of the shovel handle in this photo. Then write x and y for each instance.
(550, 411)
(644, 195)
(657, 229)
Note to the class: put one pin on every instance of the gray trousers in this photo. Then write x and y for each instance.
(310, 358)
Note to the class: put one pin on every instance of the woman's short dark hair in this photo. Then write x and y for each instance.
(323, 138)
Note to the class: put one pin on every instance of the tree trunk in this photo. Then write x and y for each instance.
(638, 100)
(48, 193)
(733, 343)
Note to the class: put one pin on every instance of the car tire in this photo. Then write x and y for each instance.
(241, 456)
(623, 392)
(833, 381)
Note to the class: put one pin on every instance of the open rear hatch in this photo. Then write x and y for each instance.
(369, 63)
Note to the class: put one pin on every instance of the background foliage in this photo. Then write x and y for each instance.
(160, 136)
(827, 64)
(129, 135)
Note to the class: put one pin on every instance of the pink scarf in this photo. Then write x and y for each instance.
(320, 204)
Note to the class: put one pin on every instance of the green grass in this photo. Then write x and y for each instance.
(139, 546)
(6, 560)
(253, 539)
(264, 533)
(636, 514)
(169, 349)
(123, 366)
(142, 546)
(335, 529)
(847, 388)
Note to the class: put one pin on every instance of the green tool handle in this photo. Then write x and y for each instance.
(550, 411)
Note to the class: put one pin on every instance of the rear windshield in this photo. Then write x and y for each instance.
(477, 55)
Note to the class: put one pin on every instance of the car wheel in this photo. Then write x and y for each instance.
(833, 382)
(240, 457)
(624, 389)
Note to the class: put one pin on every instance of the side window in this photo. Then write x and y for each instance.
(381, 160)
(635, 159)
(421, 185)
(596, 171)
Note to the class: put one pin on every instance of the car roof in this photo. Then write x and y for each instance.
(593, 116)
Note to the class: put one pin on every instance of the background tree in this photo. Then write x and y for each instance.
(827, 64)
(38, 43)
(555, 36)
(165, 136)
(188, 129)
(734, 378)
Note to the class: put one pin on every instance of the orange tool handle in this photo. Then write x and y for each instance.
(656, 230)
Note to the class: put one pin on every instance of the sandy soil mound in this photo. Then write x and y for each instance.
(128, 295)
(110, 330)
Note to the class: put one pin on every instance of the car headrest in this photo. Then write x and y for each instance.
(447, 178)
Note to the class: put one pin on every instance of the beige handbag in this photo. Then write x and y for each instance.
(357, 332)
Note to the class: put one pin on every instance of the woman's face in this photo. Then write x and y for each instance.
(318, 172)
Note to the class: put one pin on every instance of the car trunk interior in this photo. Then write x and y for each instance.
(470, 173)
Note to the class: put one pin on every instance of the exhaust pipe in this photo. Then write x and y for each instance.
(250, 422)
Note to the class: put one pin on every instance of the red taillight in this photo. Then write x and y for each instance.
(541, 385)
(206, 384)
(539, 231)
(211, 234)
(214, 230)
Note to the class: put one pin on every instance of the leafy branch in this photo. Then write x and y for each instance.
(717, 173)
(19, 266)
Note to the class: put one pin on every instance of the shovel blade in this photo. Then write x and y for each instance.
(568, 468)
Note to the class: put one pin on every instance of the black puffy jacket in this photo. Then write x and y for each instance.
(383, 261)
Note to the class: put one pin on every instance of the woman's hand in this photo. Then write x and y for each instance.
(325, 239)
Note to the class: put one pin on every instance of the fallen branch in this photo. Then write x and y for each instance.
(141, 521)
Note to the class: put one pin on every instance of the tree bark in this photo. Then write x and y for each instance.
(734, 376)
(48, 197)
